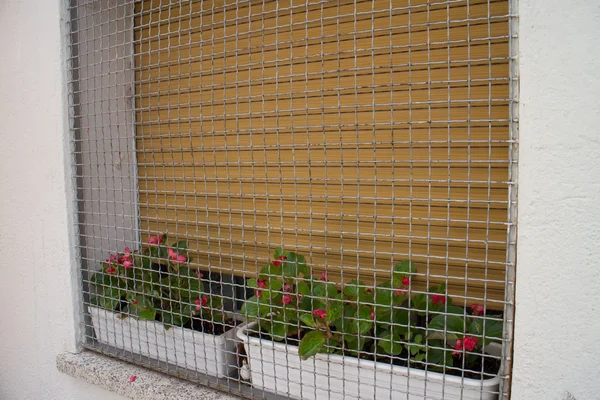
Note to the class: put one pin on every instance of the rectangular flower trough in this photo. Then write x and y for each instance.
(186, 348)
(277, 367)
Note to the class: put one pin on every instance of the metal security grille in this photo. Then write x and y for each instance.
(343, 171)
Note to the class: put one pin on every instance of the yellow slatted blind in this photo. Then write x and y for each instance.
(352, 132)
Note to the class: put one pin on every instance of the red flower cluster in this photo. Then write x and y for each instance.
(468, 343)
(286, 299)
(438, 298)
(175, 257)
(478, 309)
(155, 239)
(127, 259)
(277, 262)
(124, 259)
(201, 302)
(320, 314)
(324, 276)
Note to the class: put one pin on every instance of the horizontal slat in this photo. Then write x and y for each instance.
(318, 155)
(365, 229)
(219, 27)
(251, 84)
(217, 115)
(309, 199)
(464, 212)
(393, 132)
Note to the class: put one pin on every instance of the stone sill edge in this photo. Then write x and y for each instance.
(114, 375)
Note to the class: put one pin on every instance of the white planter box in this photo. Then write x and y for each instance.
(277, 367)
(197, 351)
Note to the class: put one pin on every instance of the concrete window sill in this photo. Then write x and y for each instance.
(114, 375)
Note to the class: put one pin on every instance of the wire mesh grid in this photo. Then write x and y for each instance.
(307, 199)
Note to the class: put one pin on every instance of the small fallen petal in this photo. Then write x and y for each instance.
(132, 378)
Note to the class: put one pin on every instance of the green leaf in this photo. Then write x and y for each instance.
(252, 283)
(355, 344)
(279, 329)
(454, 326)
(275, 284)
(439, 356)
(390, 343)
(401, 270)
(180, 247)
(363, 321)
(278, 252)
(251, 308)
(308, 320)
(269, 271)
(302, 267)
(311, 343)
(303, 288)
(493, 329)
(324, 290)
(334, 310)
(420, 301)
(149, 314)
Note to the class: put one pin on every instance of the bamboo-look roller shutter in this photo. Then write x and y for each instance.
(356, 134)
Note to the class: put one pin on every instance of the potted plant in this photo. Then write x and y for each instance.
(154, 304)
(311, 339)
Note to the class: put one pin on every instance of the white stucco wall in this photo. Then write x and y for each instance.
(557, 330)
(37, 316)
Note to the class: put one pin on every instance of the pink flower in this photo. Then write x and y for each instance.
(200, 274)
(155, 239)
(127, 250)
(438, 298)
(286, 299)
(127, 257)
(258, 293)
(399, 292)
(202, 302)
(458, 348)
(261, 283)
(132, 378)
(113, 258)
(405, 281)
(320, 314)
(181, 258)
(277, 262)
(120, 259)
(324, 275)
(373, 315)
(470, 342)
(287, 287)
(477, 309)
(172, 253)
(127, 264)
(110, 270)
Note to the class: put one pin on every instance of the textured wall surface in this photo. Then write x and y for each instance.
(557, 346)
(36, 297)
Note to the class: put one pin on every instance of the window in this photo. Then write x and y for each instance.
(357, 133)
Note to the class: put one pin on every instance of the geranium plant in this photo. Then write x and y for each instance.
(381, 323)
(157, 284)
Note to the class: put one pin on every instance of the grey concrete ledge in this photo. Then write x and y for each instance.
(114, 375)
